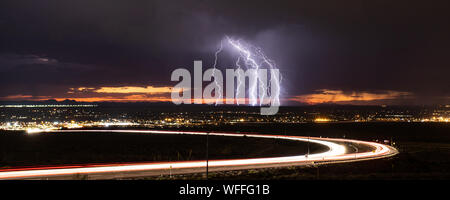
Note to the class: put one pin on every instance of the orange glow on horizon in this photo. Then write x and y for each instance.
(132, 98)
(132, 89)
(339, 96)
(137, 98)
(322, 120)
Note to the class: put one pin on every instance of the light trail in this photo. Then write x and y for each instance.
(336, 152)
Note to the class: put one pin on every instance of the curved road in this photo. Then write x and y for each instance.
(337, 152)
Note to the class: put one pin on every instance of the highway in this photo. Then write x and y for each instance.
(337, 152)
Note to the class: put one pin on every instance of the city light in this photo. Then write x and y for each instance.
(322, 120)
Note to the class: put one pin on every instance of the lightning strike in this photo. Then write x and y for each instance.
(238, 92)
(251, 55)
(218, 94)
(257, 65)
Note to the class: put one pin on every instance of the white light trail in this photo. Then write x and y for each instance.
(336, 152)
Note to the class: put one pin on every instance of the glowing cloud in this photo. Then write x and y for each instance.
(129, 98)
(339, 96)
(22, 97)
(131, 89)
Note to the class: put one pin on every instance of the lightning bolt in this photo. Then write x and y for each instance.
(238, 78)
(252, 58)
(272, 65)
(216, 55)
(249, 61)
(251, 55)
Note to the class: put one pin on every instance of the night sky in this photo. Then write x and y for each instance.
(344, 52)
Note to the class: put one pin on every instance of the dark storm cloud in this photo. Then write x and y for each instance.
(362, 46)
